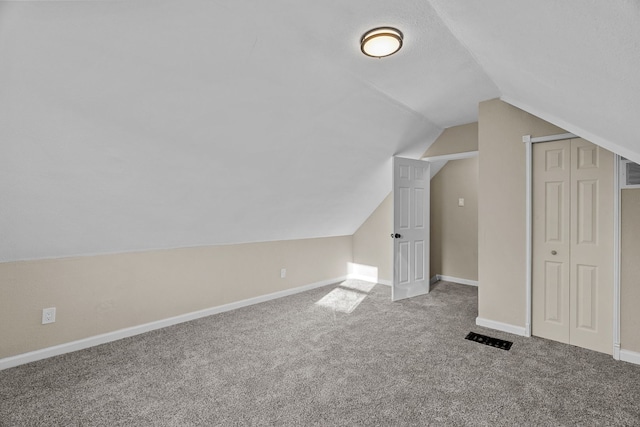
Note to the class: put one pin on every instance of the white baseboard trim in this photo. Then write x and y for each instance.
(32, 356)
(616, 351)
(370, 279)
(630, 356)
(458, 280)
(499, 326)
(363, 277)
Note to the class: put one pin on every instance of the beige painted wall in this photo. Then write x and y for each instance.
(372, 244)
(502, 222)
(99, 294)
(456, 139)
(454, 229)
(630, 270)
(501, 209)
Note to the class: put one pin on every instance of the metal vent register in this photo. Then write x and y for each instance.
(493, 342)
(632, 176)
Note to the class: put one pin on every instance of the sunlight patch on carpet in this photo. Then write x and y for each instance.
(358, 286)
(347, 296)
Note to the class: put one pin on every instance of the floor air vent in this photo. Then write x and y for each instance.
(493, 342)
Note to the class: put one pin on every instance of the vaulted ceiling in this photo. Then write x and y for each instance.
(573, 63)
(134, 125)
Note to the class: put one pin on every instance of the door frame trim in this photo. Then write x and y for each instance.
(453, 156)
(616, 255)
(430, 160)
(529, 141)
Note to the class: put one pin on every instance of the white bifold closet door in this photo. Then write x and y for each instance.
(573, 243)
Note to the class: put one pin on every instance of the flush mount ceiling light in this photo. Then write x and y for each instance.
(381, 42)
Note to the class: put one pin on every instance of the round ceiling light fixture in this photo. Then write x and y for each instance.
(381, 42)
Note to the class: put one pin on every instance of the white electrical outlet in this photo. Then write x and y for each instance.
(283, 273)
(460, 201)
(48, 315)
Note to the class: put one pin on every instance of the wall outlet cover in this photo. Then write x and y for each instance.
(48, 315)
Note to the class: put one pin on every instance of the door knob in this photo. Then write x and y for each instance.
(395, 236)
(554, 253)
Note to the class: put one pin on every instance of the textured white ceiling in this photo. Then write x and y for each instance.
(574, 63)
(133, 125)
(156, 124)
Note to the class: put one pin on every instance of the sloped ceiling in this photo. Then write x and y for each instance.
(134, 125)
(574, 63)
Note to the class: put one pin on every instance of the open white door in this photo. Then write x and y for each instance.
(411, 181)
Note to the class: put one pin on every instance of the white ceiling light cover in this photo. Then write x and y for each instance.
(381, 42)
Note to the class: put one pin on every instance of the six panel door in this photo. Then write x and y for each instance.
(411, 184)
(572, 274)
(551, 242)
(591, 280)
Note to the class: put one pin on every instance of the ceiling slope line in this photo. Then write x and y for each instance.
(450, 25)
(404, 107)
(397, 102)
(165, 248)
(339, 67)
(577, 130)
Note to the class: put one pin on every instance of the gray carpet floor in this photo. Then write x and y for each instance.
(316, 358)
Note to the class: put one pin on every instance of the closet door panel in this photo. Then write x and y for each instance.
(551, 194)
(591, 276)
